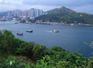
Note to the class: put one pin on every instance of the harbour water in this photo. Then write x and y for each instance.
(71, 38)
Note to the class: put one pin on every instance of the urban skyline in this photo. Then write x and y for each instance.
(28, 13)
(12, 14)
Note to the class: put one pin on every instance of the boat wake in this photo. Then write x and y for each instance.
(49, 31)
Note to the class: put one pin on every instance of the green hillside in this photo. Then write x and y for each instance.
(66, 15)
(16, 53)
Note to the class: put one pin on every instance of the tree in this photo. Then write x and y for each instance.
(22, 21)
(7, 41)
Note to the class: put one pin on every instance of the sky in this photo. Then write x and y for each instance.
(76, 5)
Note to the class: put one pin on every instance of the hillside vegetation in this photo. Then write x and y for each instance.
(65, 15)
(37, 56)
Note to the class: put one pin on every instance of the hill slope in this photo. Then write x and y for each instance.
(66, 15)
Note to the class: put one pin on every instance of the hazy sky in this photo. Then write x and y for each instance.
(77, 5)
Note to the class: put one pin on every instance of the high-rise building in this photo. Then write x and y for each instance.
(24, 13)
(15, 14)
(19, 14)
(36, 13)
(27, 13)
(32, 12)
(41, 12)
(9, 13)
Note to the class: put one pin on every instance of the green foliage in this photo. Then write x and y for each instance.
(38, 51)
(55, 57)
(62, 59)
(86, 43)
(91, 44)
(7, 41)
(66, 15)
(22, 47)
(22, 21)
(30, 20)
(12, 62)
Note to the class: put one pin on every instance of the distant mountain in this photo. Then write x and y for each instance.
(52, 10)
(61, 10)
(66, 15)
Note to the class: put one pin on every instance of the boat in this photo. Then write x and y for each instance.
(16, 22)
(19, 33)
(72, 24)
(29, 30)
(55, 31)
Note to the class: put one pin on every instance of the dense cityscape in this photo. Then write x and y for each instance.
(16, 14)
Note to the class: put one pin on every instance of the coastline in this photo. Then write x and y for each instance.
(64, 24)
(54, 23)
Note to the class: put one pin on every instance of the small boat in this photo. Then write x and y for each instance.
(16, 22)
(29, 30)
(19, 33)
(72, 24)
(55, 31)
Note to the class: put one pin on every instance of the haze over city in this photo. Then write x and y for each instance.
(77, 5)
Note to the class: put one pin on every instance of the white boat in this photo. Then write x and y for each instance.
(55, 31)
(29, 30)
(19, 33)
(72, 24)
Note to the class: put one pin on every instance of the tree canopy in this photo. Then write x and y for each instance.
(42, 57)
